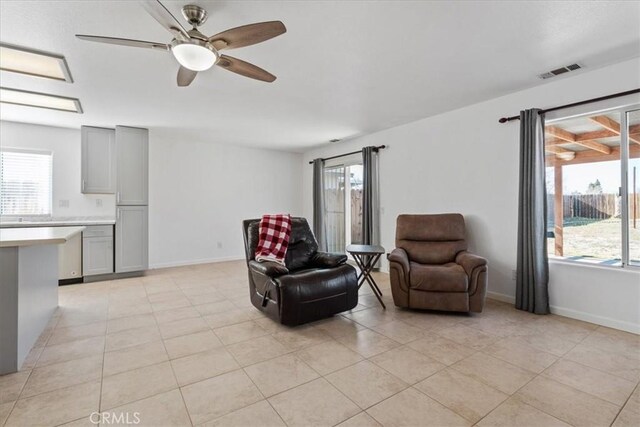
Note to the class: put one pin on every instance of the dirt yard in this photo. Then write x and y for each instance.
(600, 239)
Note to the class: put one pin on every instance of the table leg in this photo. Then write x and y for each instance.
(361, 266)
(364, 269)
(365, 275)
(372, 283)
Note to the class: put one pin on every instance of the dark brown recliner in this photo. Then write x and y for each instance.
(431, 268)
(313, 285)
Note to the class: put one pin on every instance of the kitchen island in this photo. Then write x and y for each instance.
(28, 288)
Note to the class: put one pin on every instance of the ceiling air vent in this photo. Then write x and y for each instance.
(558, 71)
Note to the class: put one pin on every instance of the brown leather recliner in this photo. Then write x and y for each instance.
(431, 268)
(313, 284)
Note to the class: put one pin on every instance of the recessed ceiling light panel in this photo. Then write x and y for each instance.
(18, 59)
(39, 100)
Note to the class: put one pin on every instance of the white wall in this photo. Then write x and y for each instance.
(465, 161)
(65, 145)
(200, 192)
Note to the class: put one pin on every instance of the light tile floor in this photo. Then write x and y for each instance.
(184, 346)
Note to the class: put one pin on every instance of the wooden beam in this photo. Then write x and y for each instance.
(596, 134)
(612, 126)
(554, 141)
(587, 143)
(557, 150)
(593, 156)
(607, 123)
(558, 210)
(595, 145)
(560, 133)
(634, 130)
(568, 137)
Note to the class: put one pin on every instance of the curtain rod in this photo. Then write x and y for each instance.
(379, 147)
(575, 104)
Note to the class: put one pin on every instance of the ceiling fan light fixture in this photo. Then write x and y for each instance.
(194, 54)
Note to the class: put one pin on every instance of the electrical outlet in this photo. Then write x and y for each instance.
(63, 203)
(514, 275)
(98, 203)
(219, 245)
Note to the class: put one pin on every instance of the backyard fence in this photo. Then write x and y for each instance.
(593, 206)
(335, 219)
(356, 216)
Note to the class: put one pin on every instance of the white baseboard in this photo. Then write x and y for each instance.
(634, 328)
(575, 314)
(501, 297)
(195, 262)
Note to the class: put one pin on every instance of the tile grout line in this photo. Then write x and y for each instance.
(320, 376)
(15, 403)
(175, 377)
(586, 366)
(257, 388)
(636, 388)
(539, 375)
(294, 351)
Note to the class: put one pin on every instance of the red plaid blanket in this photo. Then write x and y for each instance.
(274, 238)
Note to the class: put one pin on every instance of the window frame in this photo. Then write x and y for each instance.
(624, 106)
(50, 153)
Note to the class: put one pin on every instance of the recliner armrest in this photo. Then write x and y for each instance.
(268, 268)
(470, 262)
(328, 260)
(400, 256)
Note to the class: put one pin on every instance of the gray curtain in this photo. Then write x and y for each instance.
(318, 204)
(533, 267)
(370, 197)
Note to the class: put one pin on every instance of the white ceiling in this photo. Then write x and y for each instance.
(344, 68)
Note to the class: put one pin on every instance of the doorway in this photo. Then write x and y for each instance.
(343, 204)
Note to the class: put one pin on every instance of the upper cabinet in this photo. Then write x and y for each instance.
(132, 153)
(98, 160)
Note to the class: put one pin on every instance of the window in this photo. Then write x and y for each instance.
(25, 182)
(592, 187)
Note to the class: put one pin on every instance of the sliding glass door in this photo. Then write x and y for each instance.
(343, 204)
(633, 187)
(334, 207)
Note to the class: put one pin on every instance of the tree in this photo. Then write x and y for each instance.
(595, 187)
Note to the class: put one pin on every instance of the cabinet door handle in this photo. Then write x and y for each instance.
(83, 184)
(117, 196)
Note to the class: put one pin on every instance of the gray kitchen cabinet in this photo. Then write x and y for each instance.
(132, 241)
(98, 164)
(97, 250)
(132, 153)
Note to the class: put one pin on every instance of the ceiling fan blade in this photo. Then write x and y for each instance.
(123, 42)
(247, 35)
(165, 18)
(186, 76)
(243, 68)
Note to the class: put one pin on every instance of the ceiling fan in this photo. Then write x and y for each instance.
(196, 52)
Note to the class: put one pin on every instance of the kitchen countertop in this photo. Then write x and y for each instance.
(57, 221)
(36, 236)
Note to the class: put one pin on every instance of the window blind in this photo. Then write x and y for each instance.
(25, 182)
